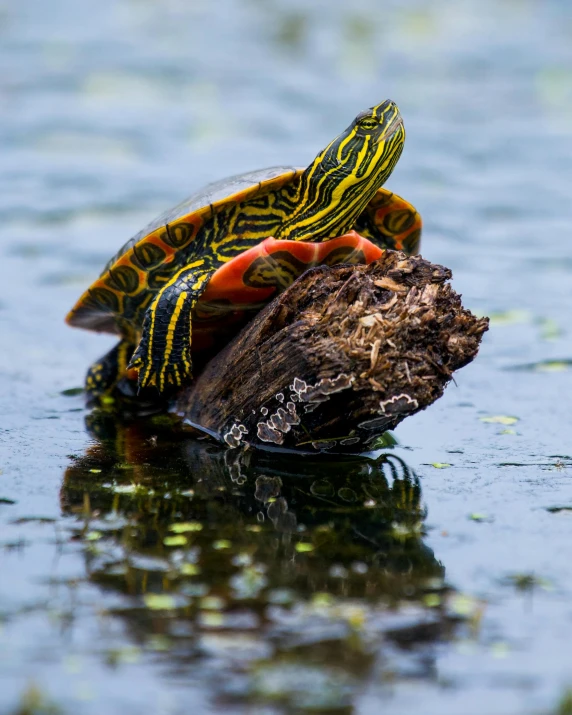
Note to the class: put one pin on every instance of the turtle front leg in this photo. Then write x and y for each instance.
(106, 372)
(163, 356)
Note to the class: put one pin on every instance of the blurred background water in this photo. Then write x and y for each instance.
(110, 111)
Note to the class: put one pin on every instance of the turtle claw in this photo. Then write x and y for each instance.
(158, 373)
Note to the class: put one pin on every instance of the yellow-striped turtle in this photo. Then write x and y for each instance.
(189, 279)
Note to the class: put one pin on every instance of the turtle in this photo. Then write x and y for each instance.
(186, 283)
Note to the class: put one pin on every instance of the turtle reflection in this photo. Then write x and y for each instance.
(213, 540)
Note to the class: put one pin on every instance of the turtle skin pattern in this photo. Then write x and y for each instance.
(168, 292)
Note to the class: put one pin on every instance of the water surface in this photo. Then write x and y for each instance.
(436, 578)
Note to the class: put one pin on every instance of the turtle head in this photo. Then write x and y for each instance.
(360, 160)
(345, 176)
(372, 144)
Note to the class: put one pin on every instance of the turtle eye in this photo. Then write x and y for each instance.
(368, 123)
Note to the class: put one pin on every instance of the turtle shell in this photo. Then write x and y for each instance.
(117, 300)
(241, 287)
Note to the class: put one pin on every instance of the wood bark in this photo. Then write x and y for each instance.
(344, 354)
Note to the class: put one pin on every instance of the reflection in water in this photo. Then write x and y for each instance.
(287, 568)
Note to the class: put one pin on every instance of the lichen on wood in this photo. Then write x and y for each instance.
(345, 353)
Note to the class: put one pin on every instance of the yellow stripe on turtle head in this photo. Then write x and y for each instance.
(345, 176)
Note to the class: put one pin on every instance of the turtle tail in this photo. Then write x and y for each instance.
(104, 374)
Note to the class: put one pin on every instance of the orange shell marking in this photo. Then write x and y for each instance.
(397, 219)
(245, 284)
(228, 282)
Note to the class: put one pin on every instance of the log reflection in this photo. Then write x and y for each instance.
(194, 539)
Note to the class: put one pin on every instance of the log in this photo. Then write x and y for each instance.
(341, 356)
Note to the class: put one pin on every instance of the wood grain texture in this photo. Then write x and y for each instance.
(346, 353)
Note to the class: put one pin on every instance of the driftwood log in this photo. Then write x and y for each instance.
(344, 354)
